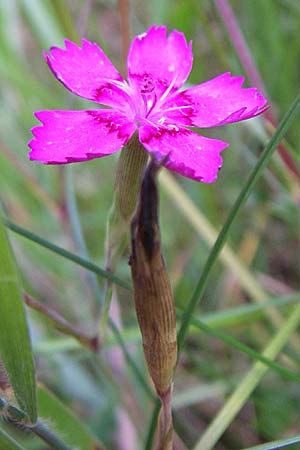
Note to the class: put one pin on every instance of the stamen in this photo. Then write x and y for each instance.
(153, 103)
(177, 108)
(167, 91)
(124, 87)
(149, 122)
(161, 100)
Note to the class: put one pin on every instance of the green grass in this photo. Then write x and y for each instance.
(238, 318)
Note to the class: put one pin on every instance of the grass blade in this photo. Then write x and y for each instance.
(8, 443)
(241, 315)
(15, 346)
(65, 423)
(282, 371)
(276, 444)
(241, 200)
(67, 254)
(241, 394)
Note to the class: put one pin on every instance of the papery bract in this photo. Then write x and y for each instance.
(150, 102)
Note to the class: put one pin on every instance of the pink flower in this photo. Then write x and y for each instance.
(149, 102)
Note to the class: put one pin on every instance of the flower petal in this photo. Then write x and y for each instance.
(157, 62)
(87, 72)
(218, 101)
(190, 154)
(71, 136)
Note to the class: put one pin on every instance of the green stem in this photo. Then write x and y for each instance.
(129, 173)
(18, 418)
(48, 436)
(105, 310)
(130, 168)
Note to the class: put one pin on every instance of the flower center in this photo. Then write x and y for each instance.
(148, 84)
(144, 94)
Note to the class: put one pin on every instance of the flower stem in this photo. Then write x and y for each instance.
(130, 168)
(165, 438)
(48, 436)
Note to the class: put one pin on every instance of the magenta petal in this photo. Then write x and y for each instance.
(156, 61)
(216, 102)
(87, 72)
(190, 154)
(71, 136)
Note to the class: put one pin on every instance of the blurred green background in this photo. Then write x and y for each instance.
(264, 240)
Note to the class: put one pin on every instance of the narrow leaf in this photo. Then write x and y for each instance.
(246, 386)
(277, 444)
(65, 422)
(241, 315)
(15, 346)
(283, 371)
(8, 443)
(66, 254)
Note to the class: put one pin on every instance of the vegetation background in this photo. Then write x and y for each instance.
(254, 286)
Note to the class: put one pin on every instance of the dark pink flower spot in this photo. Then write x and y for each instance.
(147, 84)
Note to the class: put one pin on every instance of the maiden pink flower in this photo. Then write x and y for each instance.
(150, 102)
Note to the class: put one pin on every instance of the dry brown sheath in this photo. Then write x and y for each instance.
(152, 289)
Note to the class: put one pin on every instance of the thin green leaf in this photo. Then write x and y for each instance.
(15, 346)
(65, 422)
(245, 388)
(8, 443)
(245, 349)
(66, 254)
(246, 313)
(276, 444)
(239, 203)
